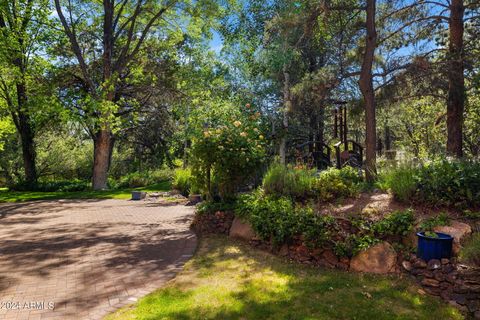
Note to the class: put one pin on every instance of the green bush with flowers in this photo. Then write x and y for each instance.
(226, 154)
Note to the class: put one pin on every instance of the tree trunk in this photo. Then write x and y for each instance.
(286, 111)
(456, 81)
(312, 130)
(366, 87)
(101, 159)
(103, 141)
(24, 127)
(321, 125)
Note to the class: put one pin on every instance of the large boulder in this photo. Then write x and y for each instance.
(241, 230)
(458, 230)
(379, 259)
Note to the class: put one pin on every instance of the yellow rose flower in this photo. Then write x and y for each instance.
(261, 137)
(244, 134)
(237, 123)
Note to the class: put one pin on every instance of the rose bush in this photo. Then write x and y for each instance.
(226, 154)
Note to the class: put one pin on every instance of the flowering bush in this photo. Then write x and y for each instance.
(226, 154)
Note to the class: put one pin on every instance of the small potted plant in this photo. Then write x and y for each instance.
(434, 245)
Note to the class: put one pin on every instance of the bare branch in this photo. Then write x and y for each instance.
(75, 47)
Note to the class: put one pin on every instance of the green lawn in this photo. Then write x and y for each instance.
(230, 280)
(19, 196)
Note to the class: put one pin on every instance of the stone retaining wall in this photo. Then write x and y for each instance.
(455, 283)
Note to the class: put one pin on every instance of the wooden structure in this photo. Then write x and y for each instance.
(315, 154)
(348, 152)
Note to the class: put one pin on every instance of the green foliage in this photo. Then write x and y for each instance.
(272, 218)
(52, 186)
(442, 219)
(143, 179)
(431, 234)
(449, 183)
(397, 223)
(210, 207)
(334, 183)
(286, 181)
(439, 183)
(401, 181)
(472, 215)
(280, 220)
(301, 184)
(229, 150)
(353, 244)
(184, 181)
(368, 233)
(470, 252)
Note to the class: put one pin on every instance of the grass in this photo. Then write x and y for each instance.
(230, 280)
(21, 196)
(470, 253)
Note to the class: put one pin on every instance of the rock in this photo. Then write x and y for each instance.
(434, 291)
(330, 257)
(193, 199)
(410, 240)
(343, 264)
(420, 264)
(434, 264)
(445, 294)
(241, 230)
(430, 282)
(302, 252)
(174, 192)
(448, 268)
(473, 305)
(439, 276)
(444, 286)
(458, 230)
(445, 261)
(379, 259)
(407, 265)
(451, 278)
(283, 252)
(460, 307)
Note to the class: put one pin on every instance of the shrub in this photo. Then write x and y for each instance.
(53, 186)
(230, 150)
(472, 215)
(143, 179)
(337, 183)
(470, 252)
(278, 219)
(281, 220)
(397, 223)
(401, 182)
(183, 181)
(208, 207)
(439, 183)
(286, 181)
(442, 219)
(450, 183)
(272, 218)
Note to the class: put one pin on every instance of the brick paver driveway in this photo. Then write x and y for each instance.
(87, 257)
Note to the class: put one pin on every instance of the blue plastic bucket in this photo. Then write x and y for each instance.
(434, 248)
